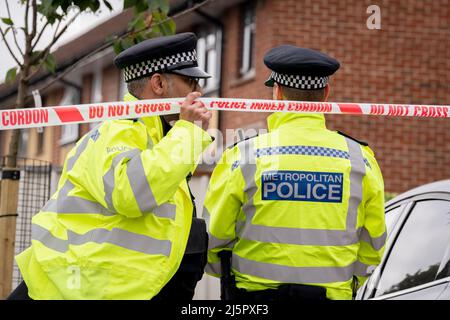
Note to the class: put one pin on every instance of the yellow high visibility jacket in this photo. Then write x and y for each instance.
(117, 227)
(300, 204)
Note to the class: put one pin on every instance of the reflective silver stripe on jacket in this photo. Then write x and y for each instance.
(119, 237)
(43, 235)
(137, 179)
(213, 268)
(82, 146)
(214, 242)
(140, 186)
(360, 269)
(309, 237)
(289, 274)
(166, 210)
(357, 172)
(66, 204)
(376, 243)
(108, 178)
(248, 167)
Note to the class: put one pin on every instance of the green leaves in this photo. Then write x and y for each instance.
(128, 4)
(48, 9)
(37, 57)
(8, 21)
(138, 23)
(50, 63)
(11, 75)
(108, 5)
(162, 5)
(150, 20)
(168, 27)
(138, 5)
(117, 46)
(55, 10)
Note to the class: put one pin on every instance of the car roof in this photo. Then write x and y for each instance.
(433, 187)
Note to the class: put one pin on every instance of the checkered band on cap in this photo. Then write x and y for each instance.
(144, 68)
(300, 82)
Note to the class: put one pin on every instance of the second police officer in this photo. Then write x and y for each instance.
(300, 210)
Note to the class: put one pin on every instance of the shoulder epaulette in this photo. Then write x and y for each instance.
(359, 141)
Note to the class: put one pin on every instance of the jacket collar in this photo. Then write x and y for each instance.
(303, 120)
(154, 124)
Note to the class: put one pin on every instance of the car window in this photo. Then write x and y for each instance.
(391, 218)
(419, 248)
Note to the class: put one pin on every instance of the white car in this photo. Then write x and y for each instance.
(416, 263)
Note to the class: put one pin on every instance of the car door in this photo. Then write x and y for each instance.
(394, 216)
(417, 262)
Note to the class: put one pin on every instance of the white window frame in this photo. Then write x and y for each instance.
(123, 88)
(209, 53)
(248, 37)
(96, 90)
(69, 132)
(23, 143)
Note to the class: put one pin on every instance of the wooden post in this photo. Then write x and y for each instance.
(9, 195)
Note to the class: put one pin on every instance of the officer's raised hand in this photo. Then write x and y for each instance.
(195, 111)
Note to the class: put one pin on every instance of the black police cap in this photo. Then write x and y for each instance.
(299, 68)
(172, 54)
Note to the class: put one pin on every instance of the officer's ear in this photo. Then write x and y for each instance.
(277, 92)
(327, 92)
(158, 84)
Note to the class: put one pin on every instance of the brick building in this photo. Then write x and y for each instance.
(406, 61)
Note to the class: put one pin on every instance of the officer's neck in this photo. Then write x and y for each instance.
(300, 120)
(165, 125)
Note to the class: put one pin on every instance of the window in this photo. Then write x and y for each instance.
(392, 217)
(40, 141)
(248, 39)
(69, 133)
(96, 93)
(97, 86)
(419, 248)
(23, 143)
(122, 88)
(209, 58)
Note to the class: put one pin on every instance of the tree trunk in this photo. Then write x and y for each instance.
(22, 92)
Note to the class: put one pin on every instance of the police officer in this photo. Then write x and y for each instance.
(301, 208)
(118, 225)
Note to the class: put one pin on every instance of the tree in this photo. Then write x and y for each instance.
(150, 19)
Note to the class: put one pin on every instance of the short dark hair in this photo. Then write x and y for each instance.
(303, 95)
(137, 86)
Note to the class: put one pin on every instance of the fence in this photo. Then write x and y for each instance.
(34, 191)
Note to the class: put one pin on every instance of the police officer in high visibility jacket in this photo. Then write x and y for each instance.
(118, 225)
(300, 208)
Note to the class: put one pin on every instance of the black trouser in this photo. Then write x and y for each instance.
(20, 293)
(284, 293)
(182, 285)
(180, 288)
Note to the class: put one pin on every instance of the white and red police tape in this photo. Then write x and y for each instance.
(95, 112)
